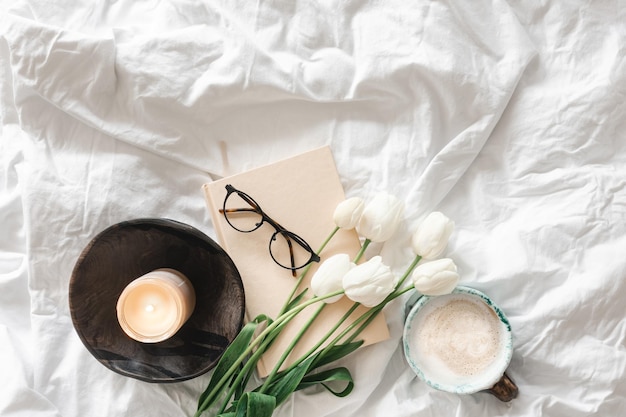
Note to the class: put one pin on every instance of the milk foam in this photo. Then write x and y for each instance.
(456, 339)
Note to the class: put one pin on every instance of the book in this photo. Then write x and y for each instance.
(301, 193)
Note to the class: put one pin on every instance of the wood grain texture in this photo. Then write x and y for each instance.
(127, 250)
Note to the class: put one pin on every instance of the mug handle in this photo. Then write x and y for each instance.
(505, 389)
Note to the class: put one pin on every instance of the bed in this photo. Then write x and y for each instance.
(509, 117)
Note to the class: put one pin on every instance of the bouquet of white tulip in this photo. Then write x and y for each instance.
(371, 284)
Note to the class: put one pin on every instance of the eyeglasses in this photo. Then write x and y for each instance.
(245, 215)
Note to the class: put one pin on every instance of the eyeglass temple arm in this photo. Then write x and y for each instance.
(237, 210)
(292, 258)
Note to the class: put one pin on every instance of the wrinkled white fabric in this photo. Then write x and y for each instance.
(508, 118)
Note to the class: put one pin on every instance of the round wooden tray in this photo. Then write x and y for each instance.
(127, 250)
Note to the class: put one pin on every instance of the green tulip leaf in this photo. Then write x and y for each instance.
(296, 300)
(334, 353)
(331, 375)
(251, 404)
(255, 404)
(288, 382)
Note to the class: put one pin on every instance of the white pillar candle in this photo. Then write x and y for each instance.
(153, 307)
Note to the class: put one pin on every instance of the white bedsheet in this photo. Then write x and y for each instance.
(508, 117)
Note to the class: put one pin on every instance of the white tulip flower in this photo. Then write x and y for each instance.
(348, 213)
(431, 236)
(380, 218)
(329, 276)
(369, 283)
(435, 277)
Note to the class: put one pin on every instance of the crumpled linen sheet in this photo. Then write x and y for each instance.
(508, 117)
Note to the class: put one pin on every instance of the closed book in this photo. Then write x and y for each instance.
(301, 194)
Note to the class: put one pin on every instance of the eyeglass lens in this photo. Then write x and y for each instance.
(242, 214)
(280, 252)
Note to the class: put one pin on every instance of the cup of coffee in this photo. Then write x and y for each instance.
(460, 343)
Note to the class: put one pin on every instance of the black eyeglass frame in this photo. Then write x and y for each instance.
(279, 230)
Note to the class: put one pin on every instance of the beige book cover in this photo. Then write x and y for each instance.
(301, 193)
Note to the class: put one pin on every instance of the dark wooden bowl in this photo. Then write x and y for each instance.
(127, 250)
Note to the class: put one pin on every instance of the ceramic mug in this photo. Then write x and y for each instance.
(460, 343)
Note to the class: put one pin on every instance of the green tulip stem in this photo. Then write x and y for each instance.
(359, 255)
(324, 338)
(408, 271)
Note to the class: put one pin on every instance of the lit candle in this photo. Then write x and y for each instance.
(155, 306)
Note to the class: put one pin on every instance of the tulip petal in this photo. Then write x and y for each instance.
(329, 276)
(380, 218)
(369, 283)
(439, 284)
(431, 236)
(348, 213)
(436, 277)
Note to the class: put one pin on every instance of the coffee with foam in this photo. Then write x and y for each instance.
(459, 342)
